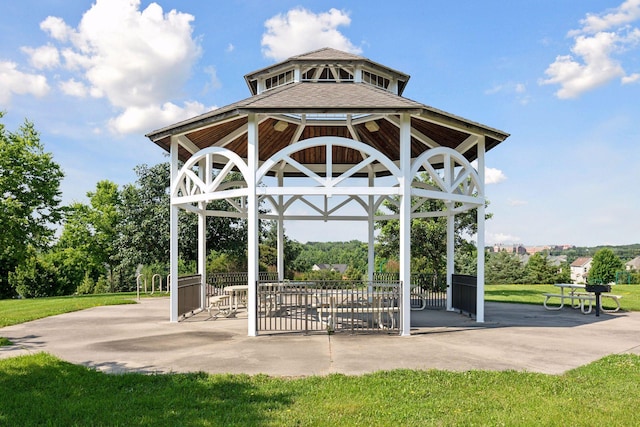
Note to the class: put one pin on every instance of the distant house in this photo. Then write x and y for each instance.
(634, 264)
(579, 269)
(340, 268)
(557, 260)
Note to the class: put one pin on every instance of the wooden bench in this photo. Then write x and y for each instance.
(581, 298)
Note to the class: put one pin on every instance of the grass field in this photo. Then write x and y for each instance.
(43, 390)
(14, 311)
(532, 294)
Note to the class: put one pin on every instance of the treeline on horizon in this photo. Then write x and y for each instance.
(624, 252)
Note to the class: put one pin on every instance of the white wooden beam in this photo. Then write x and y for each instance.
(187, 144)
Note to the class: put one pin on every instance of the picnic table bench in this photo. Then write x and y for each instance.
(329, 309)
(579, 299)
(220, 304)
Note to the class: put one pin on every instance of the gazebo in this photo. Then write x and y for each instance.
(330, 131)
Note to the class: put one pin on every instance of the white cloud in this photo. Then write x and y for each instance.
(596, 69)
(516, 202)
(635, 77)
(43, 57)
(139, 60)
(214, 82)
(626, 13)
(136, 119)
(300, 31)
(501, 238)
(593, 62)
(72, 87)
(493, 176)
(13, 81)
(56, 28)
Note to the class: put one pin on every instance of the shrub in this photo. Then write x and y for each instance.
(86, 286)
(36, 278)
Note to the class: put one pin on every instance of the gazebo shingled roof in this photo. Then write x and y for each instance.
(360, 102)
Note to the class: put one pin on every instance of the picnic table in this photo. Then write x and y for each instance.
(579, 298)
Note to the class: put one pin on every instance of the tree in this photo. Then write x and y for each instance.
(269, 249)
(29, 198)
(144, 229)
(89, 234)
(35, 278)
(503, 268)
(538, 270)
(604, 266)
(104, 217)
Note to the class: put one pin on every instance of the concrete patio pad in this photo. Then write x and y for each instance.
(140, 338)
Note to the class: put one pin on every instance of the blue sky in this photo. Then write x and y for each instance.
(561, 76)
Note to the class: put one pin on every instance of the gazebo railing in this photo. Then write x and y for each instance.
(329, 307)
(216, 282)
(428, 290)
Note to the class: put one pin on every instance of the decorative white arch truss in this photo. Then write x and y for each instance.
(196, 181)
(457, 183)
(327, 181)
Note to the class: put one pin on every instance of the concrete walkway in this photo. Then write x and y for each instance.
(140, 338)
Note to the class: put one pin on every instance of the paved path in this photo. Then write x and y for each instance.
(140, 338)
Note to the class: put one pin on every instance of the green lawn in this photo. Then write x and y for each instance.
(532, 294)
(14, 311)
(43, 390)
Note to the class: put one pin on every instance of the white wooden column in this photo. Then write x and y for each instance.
(252, 224)
(371, 254)
(405, 222)
(451, 233)
(173, 235)
(280, 230)
(205, 176)
(481, 215)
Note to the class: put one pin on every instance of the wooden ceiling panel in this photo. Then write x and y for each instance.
(444, 136)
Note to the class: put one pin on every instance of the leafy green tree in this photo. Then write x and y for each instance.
(353, 253)
(503, 268)
(29, 198)
(35, 278)
(90, 234)
(466, 261)
(75, 254)
(538, 270)
(604, 266)
(564, 273)
(269, 249)
(143, 233)
(104, 217)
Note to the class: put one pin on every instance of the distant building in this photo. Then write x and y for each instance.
(579, 269)
(557, 260)
(634, 264)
